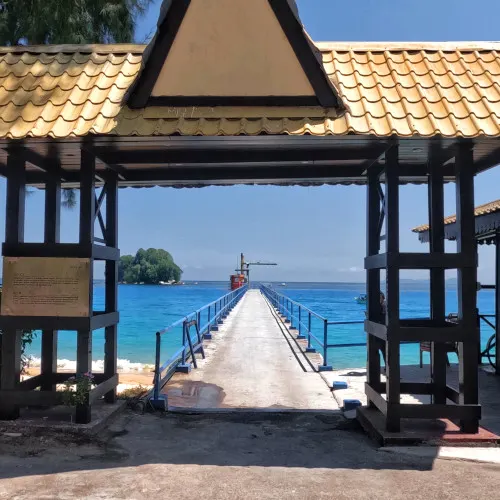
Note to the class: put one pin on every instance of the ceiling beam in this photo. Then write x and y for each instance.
(289, 172)
(112, 156)
(50, 165)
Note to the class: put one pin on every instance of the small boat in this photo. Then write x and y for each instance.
(361, 298)
(282, 284)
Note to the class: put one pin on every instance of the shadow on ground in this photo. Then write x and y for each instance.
(231, 457)
(244, 439)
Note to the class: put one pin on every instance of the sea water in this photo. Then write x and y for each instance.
(146, 309)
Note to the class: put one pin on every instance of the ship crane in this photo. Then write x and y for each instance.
(244, 270)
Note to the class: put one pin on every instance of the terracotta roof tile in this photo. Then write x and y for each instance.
(394, 88)
(487, 208)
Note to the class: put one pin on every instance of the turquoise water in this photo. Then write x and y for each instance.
(145, 309)
(335, 302)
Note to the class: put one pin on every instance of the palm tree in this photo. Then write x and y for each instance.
(37, 22)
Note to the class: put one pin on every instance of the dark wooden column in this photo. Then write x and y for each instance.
(373, 218)
(14, 233)
(87, 219)
(111, 281)
(51, 235)
(497, 301)
(467, 282)
(437, 274)
(392, 274)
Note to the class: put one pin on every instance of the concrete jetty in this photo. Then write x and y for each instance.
(252, 362)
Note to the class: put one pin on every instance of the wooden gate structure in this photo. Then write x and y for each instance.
(235, 92)
(487, 232)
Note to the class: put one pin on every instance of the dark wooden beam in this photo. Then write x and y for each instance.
(111, 284)
(48, 365)
(10, 369)
(373, 212)
(49, 164)
(393, 370)
(235, 154)
(74, 250)
(437, 274)
(490, 160)
(467, 282)
(234, 172)
(87, 221)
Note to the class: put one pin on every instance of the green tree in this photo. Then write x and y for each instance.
(69, 21)
(37, 22)
(148, 266)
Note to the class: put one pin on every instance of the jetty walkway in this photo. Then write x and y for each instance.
(251, 362)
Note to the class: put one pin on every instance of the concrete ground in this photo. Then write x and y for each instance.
(252, 362)
(231, 456)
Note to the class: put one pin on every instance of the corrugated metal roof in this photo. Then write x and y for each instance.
(487, 208)
(395, 88)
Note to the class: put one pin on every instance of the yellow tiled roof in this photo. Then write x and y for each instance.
(405, 89)
(487, 208)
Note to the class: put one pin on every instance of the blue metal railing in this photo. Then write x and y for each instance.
(301, 318)
(196, 327)
(293, 313)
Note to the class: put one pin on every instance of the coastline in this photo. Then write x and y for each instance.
(130, 374)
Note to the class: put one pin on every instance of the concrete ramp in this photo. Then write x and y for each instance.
(252, 363)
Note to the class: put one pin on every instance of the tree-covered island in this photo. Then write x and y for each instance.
(150, 266)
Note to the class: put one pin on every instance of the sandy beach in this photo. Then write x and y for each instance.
(127, 380)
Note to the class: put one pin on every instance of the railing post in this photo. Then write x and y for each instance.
(309, 347)
(215, 326)
(291, 317)
(325, 366)
(183, 344)
(158, 402)
(157, 366)
(300, 336)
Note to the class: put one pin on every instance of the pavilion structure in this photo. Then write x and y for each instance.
(235, 92)
(487, 232)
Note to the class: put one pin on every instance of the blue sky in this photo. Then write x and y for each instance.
(315, 234)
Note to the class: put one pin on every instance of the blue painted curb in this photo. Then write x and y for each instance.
(339, 384)
(207, 336)
(327, 368)
(351, 404)
(301, 337)
(214, 328)
(310, 350)
(183, 368)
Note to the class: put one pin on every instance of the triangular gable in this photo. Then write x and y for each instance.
(232, 53)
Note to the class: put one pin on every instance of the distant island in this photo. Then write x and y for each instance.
(153, 266)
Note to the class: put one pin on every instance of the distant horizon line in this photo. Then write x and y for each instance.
(403, 280)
